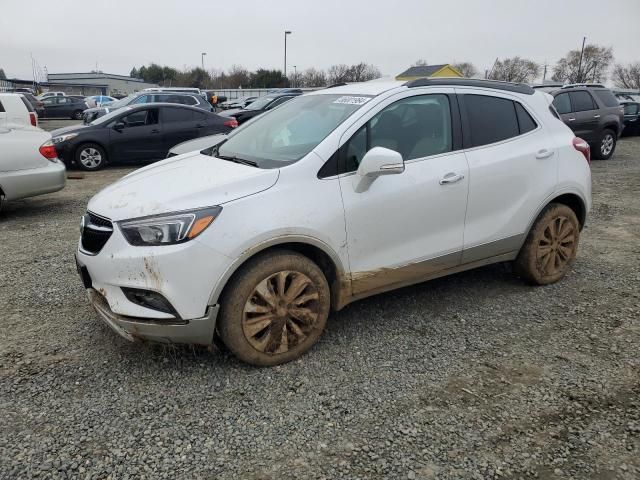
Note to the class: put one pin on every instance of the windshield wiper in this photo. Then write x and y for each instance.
(241, 161)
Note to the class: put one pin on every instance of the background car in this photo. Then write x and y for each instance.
(28, 164)
(37, 105)
(191, 99)
(64, 107)
(139, 133)
(593, 113)
(44, 95)
(102, 100)
(631, 118)
(237, 103)
(16, 111)
(260, 106)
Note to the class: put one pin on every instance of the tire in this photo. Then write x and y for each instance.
(270, 288)
(90, 157)
(551, 246)
(604, 149)
(77, 115)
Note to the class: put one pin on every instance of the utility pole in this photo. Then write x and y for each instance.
(286, 32)
(202, 59)
(295, 75)
(580, 63)
(544, 72)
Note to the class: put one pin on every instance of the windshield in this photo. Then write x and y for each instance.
(109, 116)
(288, 133)
(260, 103)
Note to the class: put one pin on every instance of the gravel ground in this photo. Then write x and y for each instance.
(474, 376)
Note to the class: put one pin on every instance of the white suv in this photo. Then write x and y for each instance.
(334, 196)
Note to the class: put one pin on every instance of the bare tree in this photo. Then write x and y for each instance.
(595, 63)
(237, 77)
(314, 78)
(338, 73)
(363, 72)
(421, 62)
(627, 76)
(515, 69)
(467, 69)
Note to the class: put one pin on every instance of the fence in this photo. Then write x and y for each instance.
(6, 85)
(232, 93)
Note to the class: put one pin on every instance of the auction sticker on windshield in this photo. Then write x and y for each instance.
(352, 100)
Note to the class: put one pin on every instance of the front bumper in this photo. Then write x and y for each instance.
(195, 331)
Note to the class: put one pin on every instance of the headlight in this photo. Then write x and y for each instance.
(63, 138)
(168, 229)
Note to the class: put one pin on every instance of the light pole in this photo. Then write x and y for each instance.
(286, 32)
(202, 58)
(295, 75)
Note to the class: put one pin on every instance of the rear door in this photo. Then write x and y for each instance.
(140, 138)
(178, 125)
(512, 170)
(585, 113)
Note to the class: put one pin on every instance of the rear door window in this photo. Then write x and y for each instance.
(581, 102)
(606, 97)
(176, 115)
(562, 103)
(630, 109)
(491, 119)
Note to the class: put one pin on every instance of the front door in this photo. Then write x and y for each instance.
(139, 139)
(406, 227)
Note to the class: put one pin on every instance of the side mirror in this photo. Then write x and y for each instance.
(119, 126)
(376, 162)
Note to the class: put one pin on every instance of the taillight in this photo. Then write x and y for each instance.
(583, 147)
(33, 118)
(48, 150)
(233, 123)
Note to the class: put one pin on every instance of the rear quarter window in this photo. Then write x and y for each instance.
(27, 104)
(606, 97)
(1, 108)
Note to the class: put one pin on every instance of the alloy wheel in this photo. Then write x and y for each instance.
(557, 246)
(606, 146)
(281, 312)
(90, 158)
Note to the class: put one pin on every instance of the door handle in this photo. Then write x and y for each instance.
(596, 116)
(544, 153)
(451, 177)
(571, 119)
(155, 130)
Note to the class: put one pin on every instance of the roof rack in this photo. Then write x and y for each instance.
(471, 82)
(594, 85)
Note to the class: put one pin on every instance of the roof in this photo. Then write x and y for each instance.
(422, 70)
(361, 88)
(53, 77)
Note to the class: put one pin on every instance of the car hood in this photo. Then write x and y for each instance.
(180, 183)
(198, 144)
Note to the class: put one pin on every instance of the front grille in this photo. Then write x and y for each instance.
(95, 233)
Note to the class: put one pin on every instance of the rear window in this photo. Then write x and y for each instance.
(27, 104)
(581, 102)
(491, 119)
(606, 97)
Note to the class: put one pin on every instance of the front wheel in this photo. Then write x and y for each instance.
(607, 145)
(90, 156)
(274, 309)
(551, 246)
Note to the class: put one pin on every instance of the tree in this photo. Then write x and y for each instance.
(595, 63)
(238, 77)
(263, 78)
(623, 76)
(515, 69)
(2, 74)
(467, 69)
(314, 78)
(362, 72)
(338, 73)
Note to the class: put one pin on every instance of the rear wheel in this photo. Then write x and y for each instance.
(607, 145)
(77, 115)
(551, 246)
(274, 309)
(90, 156)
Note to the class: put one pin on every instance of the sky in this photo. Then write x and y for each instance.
(116, 35)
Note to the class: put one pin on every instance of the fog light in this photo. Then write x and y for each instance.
(149, 299)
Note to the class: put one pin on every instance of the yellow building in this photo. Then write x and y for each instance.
(423, 71)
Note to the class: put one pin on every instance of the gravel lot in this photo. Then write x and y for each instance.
(474, 376)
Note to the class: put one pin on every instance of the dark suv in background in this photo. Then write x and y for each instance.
(593, 113)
